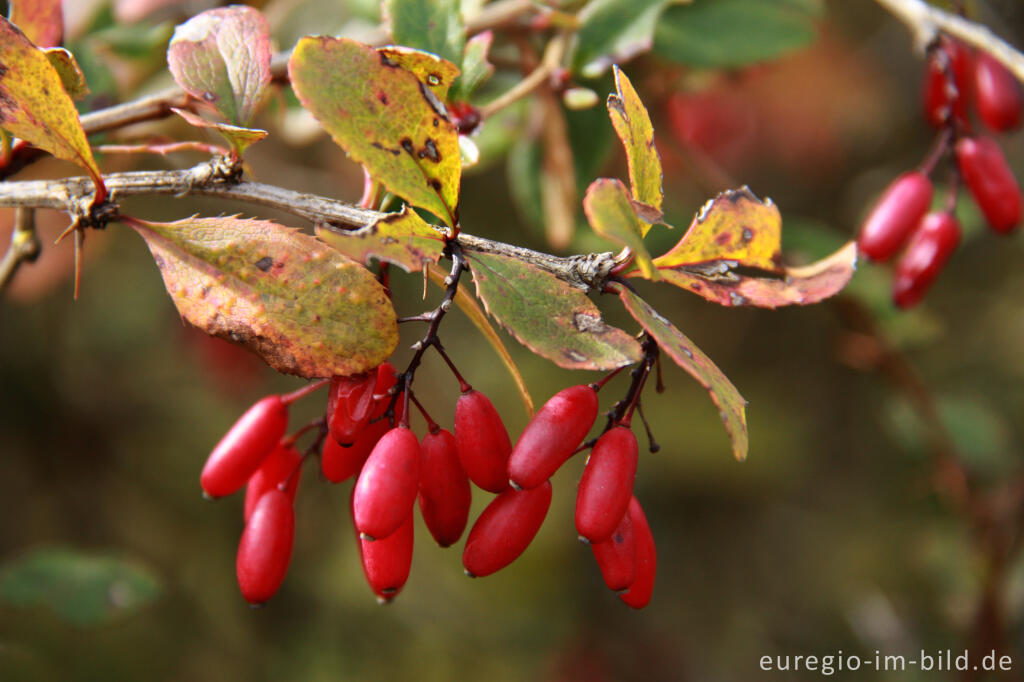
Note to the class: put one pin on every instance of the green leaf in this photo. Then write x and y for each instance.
(611, 214)
(732, 255)
(733, 33)
(403, 239)
(71, 76)
(302, 306)
(549, 316)
(34, 105)
(476, 69)
(632, 124)
(238, 137)
(731, 405)
(614, 31)
(384, 117)
(82, 589)
(42, 21)
(222, 56)
(431, 25)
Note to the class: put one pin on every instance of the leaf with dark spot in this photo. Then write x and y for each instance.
(632, 124)
(732, 255)
(731, 405)
(549, 316)
(404, 239)
(330, 76)
(311, 311)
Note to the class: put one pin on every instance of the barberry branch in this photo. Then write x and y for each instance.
(219, 178)
(926, 21)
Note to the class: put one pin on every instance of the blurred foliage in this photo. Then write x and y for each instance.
(830, 537)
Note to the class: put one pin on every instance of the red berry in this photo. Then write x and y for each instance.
(552, 436)
(991, 182)
(387, 561)
(929, 249)
(266, 547)
(349, 404)
(283, 464)
(444, 488)
(505, 529)
(387, 485)
(482, 441)
(997, 94)
(616, 556)
(639, 593)
(244, 447)
(895, 215)
(607, 484)
(938, 96)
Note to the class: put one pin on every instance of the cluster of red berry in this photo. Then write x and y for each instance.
(956, 78)
(366, 435)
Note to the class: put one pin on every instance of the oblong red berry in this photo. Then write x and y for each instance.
(616, 556)
(939, 101)
(996, 93)
(929, 249)
(387, 561)
(445, 495)
(349, 404)
(991, 182)
(482, 441)
(552, 435)
(385, 491)
(266, 547)
(281, 465)
(607, 484)
(504, 530)
(895, 215)
(244, 447)
(639, 593)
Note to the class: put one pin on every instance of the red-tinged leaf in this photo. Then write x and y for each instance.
(302, 306)
(794, 286)
(71, 76)
(734, 236)
(34, 105)
(384, 117)
(632, 124)
(42, 21)
(731, 405)
(162, 147)
(238, 137)
(476, 68)
(549, 316)
(403, 238)
(612, 216)
(222, 56)
(733, 229)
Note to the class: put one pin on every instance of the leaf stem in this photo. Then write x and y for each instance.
(552, 57)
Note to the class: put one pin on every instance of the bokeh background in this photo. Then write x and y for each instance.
(879, 510)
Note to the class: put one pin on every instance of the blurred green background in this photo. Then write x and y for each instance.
(833, 536)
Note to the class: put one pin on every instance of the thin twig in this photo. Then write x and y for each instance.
(552, 58)
(24, 247)
(925, 21)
